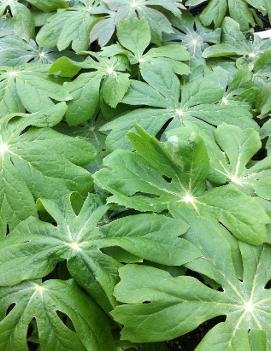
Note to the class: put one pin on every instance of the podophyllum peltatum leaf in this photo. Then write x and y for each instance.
(44, 304)
(192, 34)
(240, 146)
(35, 247)
(69, 27)
(38, 161)
(135, 35)
(29, 88)
(150, 10)
(218, 9)
(159, 177)
(177, 305)
(21, 16)
(199, 101)
(17, 51)
(234, 43)
(106, 78)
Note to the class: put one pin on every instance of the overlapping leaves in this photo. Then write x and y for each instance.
(44, 307)
(106, 79)
(177, 305)
(28, 88)
(240, 10)
(36, 161)
(185, 234)
(200, 102)
(150, 10)
(80, 239)
(159, 177)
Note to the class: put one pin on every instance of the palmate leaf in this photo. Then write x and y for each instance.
(35, 247)
(37, 161)
(234, 43)
(17, 51)
(150, 10)
(239, 10)
(105, 78)
(135, 36)
(69, 27)
(192, 34)
(43, 303)
(178, 305)
(28, 88)
(159, 177)
(201, 102)
(240, 146)
(22, 17)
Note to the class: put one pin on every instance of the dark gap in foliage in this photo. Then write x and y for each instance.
(46, 217)
(265, 21)
(162, 130)
(260, 155)
(189, 341)
(26, 129)
(268, 285)
(66, 320)
(32, 336)
(31, 328)
(60, 272)
(120, 214)
(10, 308)
(140, 193)
(197, 9)
(167, 179)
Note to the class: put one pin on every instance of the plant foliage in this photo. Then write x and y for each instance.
(135, 175)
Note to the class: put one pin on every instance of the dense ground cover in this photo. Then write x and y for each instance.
(135, 175)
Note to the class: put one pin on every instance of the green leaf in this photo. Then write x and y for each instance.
(46, 6)
(65, 28)
(134, 35)
(114, 88)
(85, 91)
(21, 17)
(36, 247)
(28, 88)
(43, 303)
(178, 305)
(17, 51)
(240, 12)
(216, 10)
(105, 80)
(201, 103)
(149, 10)
(234, 43)
(38, 161)
(64, 67)
(193, 35)
(240, 146)
(162, 176)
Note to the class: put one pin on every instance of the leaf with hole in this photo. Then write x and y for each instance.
(178, 305)
(45, 303)
(80, 240)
